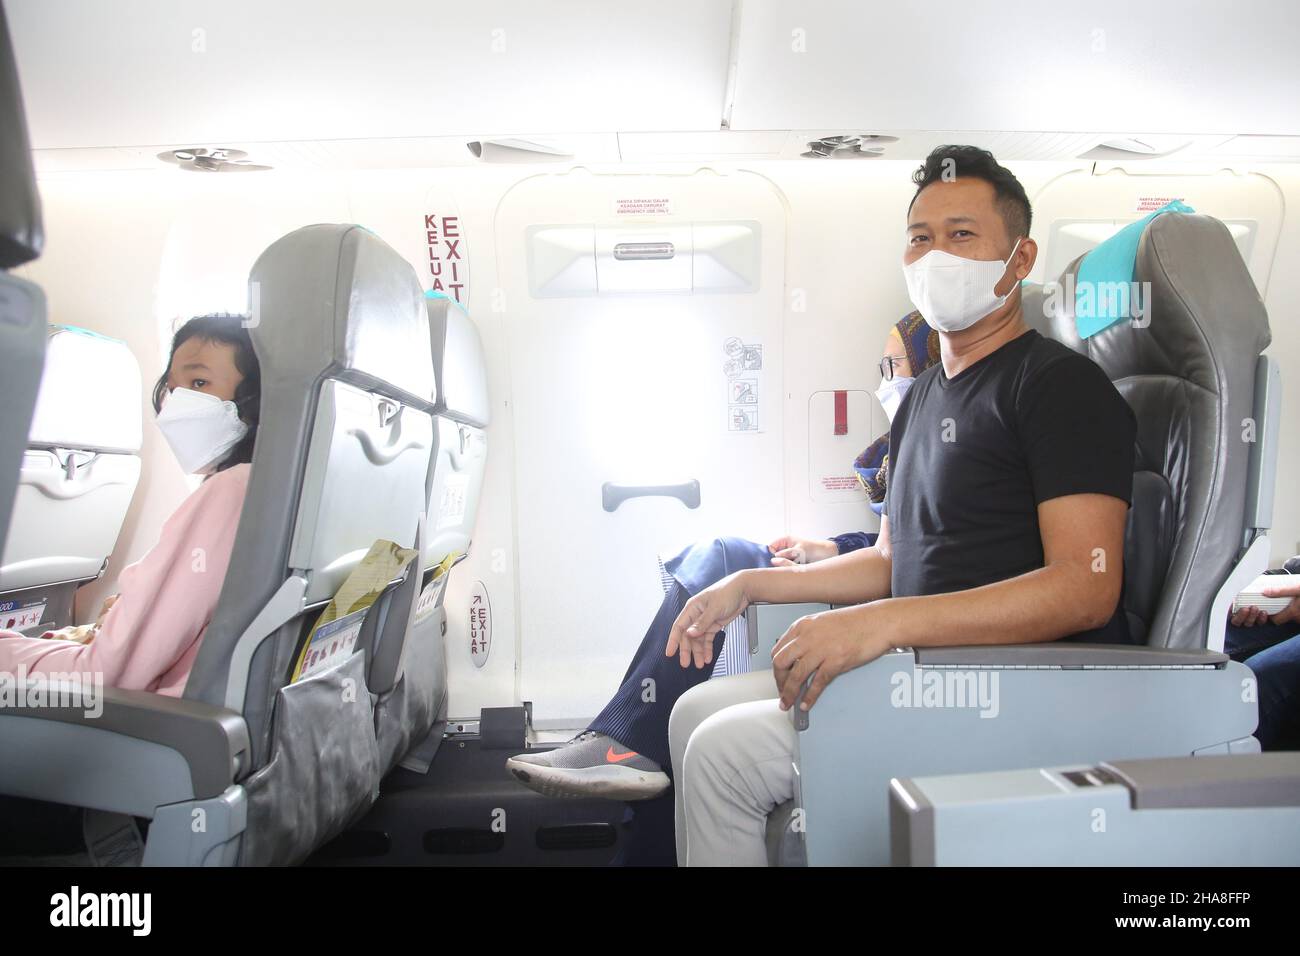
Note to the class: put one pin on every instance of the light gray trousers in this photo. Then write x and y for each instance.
(732, 749)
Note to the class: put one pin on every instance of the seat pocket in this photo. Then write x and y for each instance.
(324, 768)
(405, 715)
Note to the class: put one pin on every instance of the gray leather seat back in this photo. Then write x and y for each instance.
(1188, 370)
(1148, 535)
(22, 304)
(81, 466)
(409, 672)
(342, 454)
(459, 363)
(22, 236)
(464, 411)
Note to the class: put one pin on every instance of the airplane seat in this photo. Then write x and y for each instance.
(22, 303)
(464, 412)
(273, 769)
(79, 473)
(1206, 402)
(1227, 810)
(413, 708)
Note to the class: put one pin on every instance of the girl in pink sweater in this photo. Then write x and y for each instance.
(147, 636)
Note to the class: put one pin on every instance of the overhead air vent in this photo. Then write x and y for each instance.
(864, 146)
(516, 151)
(1136, 147)
(199, 159)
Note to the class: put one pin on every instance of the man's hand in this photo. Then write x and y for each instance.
(691, 637)
(829, 643)
(789, 550)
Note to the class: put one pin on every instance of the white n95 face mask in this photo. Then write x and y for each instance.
(200, 428)
(890, 394)
(953, 293)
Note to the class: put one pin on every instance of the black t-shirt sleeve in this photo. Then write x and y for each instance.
(1077, 431)
(896, 429)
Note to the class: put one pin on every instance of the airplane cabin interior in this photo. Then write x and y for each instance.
(389, 389)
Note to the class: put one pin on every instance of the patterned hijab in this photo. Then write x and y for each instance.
(921, 344)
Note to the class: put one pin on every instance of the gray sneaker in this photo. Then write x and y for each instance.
(590, 765)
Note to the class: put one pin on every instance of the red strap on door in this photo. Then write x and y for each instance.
(841, 413)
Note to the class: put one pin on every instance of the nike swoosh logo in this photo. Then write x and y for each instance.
(617, 758)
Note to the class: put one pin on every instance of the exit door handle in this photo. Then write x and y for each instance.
(613, 495)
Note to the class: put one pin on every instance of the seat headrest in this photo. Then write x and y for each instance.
(21, 234)
(337, 299)
(458, 363)
(1202, 306)
(1032, 301)
(1105, 272)
(1042, 312)
(90, 394)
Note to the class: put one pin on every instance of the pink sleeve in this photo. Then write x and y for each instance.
(166, 599)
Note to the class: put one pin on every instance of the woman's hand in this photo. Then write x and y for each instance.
(1292, 611)
(828, 643)
(107, 606)
(1253, 616)
(788, 550)
(80, 633)
(1248, 617)
(691, 637)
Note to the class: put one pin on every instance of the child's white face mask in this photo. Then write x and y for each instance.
(200, 428)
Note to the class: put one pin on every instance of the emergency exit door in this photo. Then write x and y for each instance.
(644, 315)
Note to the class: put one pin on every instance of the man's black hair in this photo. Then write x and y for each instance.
(948, 162)
(230, 329)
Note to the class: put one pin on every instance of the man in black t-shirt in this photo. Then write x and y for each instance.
(983, 457)
(1012, 464)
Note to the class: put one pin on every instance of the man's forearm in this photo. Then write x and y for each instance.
(1042, 605)
(851, 578)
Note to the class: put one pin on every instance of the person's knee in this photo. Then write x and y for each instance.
(731, 543)
(706, 749)
(691, 709)
(723, 546)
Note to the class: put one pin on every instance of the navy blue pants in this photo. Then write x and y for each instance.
(1272, 651)
(637, 715)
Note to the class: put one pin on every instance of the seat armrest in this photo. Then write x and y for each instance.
(894, 717)
(1071, 656)
(213, 741)
(765, 624)
(1241, 780)
(1049, 656)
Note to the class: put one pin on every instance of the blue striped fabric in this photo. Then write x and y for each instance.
(734, 658)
